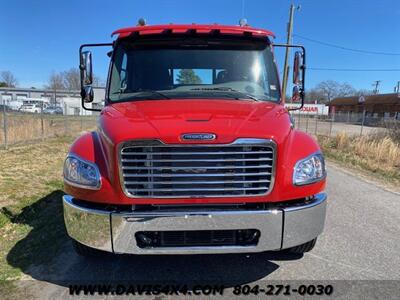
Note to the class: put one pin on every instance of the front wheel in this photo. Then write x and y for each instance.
(306, 247)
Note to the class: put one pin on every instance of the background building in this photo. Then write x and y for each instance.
(69, 101)
(380, 106)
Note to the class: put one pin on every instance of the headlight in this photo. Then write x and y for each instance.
(81, 173)
(309, 170)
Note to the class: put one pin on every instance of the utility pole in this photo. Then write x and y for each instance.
(397, 88)
(288, 41)
(376, 84)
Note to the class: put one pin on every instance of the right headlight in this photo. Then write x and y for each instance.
(309, 170)
(81, 173)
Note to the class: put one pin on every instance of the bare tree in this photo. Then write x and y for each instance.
(328, 88)
(56, 81)
(8, 79)
(346, 90)
(72, 79)
(314, 95)
(69, 80)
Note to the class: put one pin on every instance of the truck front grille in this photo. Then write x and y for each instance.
(151, 169)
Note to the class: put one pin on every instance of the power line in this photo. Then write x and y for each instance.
(354, 70)
(347, 48)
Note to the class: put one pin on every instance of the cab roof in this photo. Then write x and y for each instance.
(191, 28)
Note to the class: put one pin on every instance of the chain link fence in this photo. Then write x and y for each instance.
(353, 124)
(18, 127)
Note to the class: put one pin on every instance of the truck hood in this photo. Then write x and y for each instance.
(167, 120)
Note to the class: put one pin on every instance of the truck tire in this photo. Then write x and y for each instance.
(306, 247)
(86, 251)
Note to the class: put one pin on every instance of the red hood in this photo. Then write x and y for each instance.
(167, 120)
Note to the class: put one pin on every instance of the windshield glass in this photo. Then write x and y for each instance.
(194, 69)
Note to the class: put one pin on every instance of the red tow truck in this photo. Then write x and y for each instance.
(194, 152)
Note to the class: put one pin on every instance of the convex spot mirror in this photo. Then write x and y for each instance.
(296, 96)
(88, 94)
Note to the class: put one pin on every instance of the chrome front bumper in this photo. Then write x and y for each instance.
(280, 228)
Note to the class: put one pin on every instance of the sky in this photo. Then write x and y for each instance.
(39, 37)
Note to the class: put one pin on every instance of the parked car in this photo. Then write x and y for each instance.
(32, 108)
(53, 110)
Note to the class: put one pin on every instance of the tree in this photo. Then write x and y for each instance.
(188, 76)
(8, 79)
(72, 79)
(330, 89)
(69, 80)
(3, 84)
(346, 90)
(56, 82)
(314, 95)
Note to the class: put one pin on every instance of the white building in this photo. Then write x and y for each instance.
(68, 100)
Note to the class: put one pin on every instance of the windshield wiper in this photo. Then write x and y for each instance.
(227, 89)
(152, 92)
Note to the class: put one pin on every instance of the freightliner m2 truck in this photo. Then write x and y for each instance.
(194, 151)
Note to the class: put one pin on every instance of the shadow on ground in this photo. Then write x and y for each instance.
(46, 254)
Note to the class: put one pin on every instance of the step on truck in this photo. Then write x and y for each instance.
(194, 152)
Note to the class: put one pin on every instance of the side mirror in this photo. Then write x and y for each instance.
(296, 96)
(86, 68)
(87, 94)
(86, 74)
(297, 66)
(86, 77)
(299, 72)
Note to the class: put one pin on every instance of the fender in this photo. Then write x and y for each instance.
(297, 146)
(94, 148)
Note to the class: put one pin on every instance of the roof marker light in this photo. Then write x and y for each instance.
(141, 22)
(243, 22)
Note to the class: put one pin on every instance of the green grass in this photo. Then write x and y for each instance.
(31, 220)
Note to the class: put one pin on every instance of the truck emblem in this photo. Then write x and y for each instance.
(199, 136)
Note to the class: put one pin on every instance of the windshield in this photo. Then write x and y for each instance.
(194, 69)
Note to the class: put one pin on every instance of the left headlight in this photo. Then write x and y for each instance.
(81, 173)
(309, 170)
